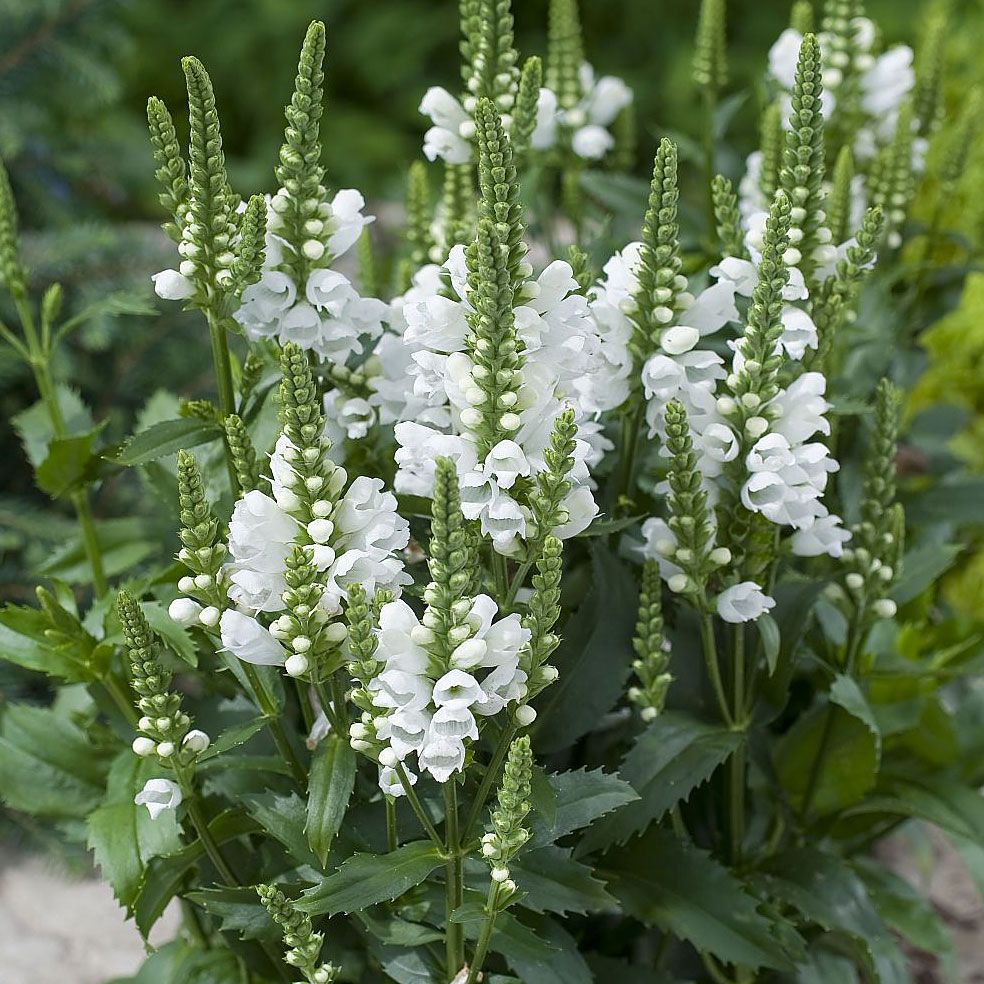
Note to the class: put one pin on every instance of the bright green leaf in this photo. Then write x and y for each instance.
(330, 784)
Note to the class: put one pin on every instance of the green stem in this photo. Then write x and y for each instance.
(453, 883)
(223, 379)
(484, 934)
(212, 849)
(500, 574)
(392, 836)
(117, 690)
(266, 704)
(80, 498)
(417, 806)
(488, 779)
(341, 708)
(631, 425)
(709, 647)
(710, 104)
(736, 766)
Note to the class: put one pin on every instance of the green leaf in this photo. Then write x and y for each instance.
(669, 760)
(950, 805)
(33, 425)
(238, 909)
(231, 738)
(906, 911)
(922, 567)
(594, 657)
(686, 892)
(165, 875)
(557, 960)
(47, 766)
(769, 632)
(23, 642)
(282, 817)
(69, 464)
(554, 882)
(366, 879)
(831, 755)
(827, 892)
(111, 305)
(122, 835)
(579, 798)
(164, 439)
(330, 784)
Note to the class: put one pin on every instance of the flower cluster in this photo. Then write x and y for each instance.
(428, 681)
(292, 553)
(486, 372)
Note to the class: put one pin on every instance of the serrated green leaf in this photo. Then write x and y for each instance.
(769, 632)
(552, 881)
(669, 760)
(831, 755)
(23, 642)
(122, 835)
(330, 784)
(165, 875)
(33, 425)
(282, 817)
(594, 657)
(579, 799)
(684, 891)
(69, 464)
(112, 305)
(164, 439)
(827, 892)
(366, 879)
(47, 767)
(233, 737)
(239, 910)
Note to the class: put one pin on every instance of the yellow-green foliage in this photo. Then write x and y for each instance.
(956, 369)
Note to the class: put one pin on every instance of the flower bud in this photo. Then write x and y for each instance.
(196, 741)
(296, 665)
(143, 746)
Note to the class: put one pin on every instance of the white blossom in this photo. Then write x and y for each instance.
(743, 602)
(159, 795)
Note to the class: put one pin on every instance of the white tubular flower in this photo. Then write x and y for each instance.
(825, 535)
(159, 795)
(442, 757)
(592, 142)
(249, 641)
(447, 137)
(346, 221)
(260, 536)
(184, 611)
(743, 602)
(457, 689)
(397, 647)
(169, 285)
(196, 741)
(391, 783)
(400, 690)
(544, 134)
(453, 721)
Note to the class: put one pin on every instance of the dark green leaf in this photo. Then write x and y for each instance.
(165, 875)
(122, 835)
(669, 760)
(233, 737)
(685, 892)
(330, 785)
(922, 567)
(578, 799)
(163, 439)
(239, 911)
(829, 759)
(366, 879)
(282, 817)
(68, 466)
(594, 657)
(827, 892)
(47, 767)
(554, 882)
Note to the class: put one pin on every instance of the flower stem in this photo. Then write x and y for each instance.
(223, 379)
(212, 849)
(118, 692)
(485, 934)
(392, 836)
(736, 766)
(265, 702)
(500, 574)
(453, 882)
(709, 647)
(631, 424)
(417, 806)
(488, 780)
